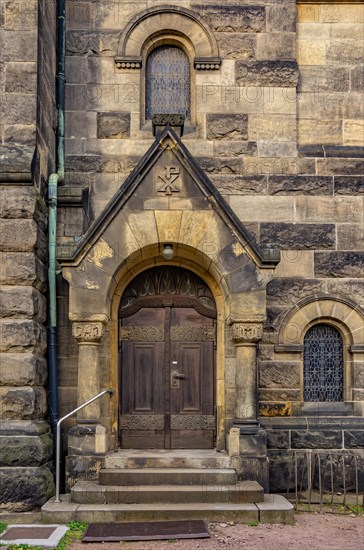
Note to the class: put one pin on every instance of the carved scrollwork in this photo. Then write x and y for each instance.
(247, 333)
(88, 332)
(192, 422)
(142, 422)
(164, 119)
(142, 334)
(192, 334)
(166, 286)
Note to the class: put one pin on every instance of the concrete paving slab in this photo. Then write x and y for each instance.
(47, 536)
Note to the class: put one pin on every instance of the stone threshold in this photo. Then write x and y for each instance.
(274, 509)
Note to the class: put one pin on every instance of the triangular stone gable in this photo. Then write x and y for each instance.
(168, 178)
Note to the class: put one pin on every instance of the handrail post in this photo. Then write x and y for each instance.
(58, 436)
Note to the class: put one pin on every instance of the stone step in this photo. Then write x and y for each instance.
(84, 492)
(274, 509)
(181, 458)
(167, 476)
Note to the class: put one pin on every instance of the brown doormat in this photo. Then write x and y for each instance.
(156, 530)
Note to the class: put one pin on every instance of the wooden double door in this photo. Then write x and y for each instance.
(167, 372)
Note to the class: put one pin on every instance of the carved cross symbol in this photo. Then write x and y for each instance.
(170, 175)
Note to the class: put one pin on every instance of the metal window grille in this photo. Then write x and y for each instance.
(323, 364)
(168, 82)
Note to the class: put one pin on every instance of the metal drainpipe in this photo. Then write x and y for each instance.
(53, 181)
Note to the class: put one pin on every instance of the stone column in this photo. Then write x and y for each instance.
(88, 440)
(247, 440)
(89, 336)
(246, 336)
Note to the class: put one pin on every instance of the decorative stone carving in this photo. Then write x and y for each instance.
(192, 422)
(91, 333)
(123, 62)
(142, 334)
(247, 333)
(192, 334)
(142, 422)
(171, 119)
(207, 63)
(169, 176)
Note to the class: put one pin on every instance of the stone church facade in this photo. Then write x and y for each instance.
(209, 241)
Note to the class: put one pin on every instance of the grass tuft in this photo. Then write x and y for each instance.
(75, 533)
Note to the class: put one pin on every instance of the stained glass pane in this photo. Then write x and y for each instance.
(168, 82)
(323, 364)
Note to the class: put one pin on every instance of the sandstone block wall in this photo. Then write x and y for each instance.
(27, 157)
(18, 77)
(330, 46)
(277, 128)
(256, 82)
(26, 444)
(266, 132)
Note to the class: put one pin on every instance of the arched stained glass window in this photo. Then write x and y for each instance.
(168, 82)
(323, 364)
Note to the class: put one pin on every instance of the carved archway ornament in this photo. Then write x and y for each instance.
(172, 20)
(167, 286)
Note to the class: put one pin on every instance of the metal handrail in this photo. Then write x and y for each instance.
(58, 436)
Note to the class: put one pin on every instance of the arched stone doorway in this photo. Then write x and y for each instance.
(208, 239)
(167, 339)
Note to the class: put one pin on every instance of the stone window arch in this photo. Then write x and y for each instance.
(167, 26)
(342, 315)
(323, 364)
(168, 82)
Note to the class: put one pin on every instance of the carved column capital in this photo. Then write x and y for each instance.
(88, 332)
(247, 333)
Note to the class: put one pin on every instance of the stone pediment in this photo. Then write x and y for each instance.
(168, 179)
(167, 199)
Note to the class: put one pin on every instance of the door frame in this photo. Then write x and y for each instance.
(125, 276)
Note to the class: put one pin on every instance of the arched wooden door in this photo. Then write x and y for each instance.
(167, 356)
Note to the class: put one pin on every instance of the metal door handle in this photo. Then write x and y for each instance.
(175, 379)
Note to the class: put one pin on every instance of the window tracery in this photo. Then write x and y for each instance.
(323, 364)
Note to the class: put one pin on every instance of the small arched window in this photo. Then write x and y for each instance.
(168, 82)
(323, 364)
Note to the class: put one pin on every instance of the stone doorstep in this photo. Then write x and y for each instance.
(25, 535)
(274, 509)
(166, 476)
(180, 458)
(84, 492)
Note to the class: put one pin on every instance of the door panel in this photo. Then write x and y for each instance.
(192, 410)
(190, 355)
(144, 377)
(142, 380)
